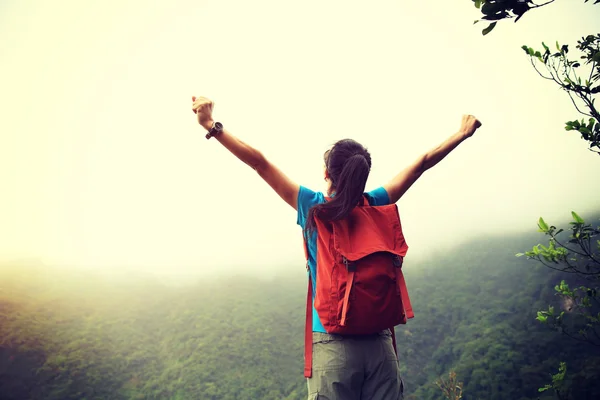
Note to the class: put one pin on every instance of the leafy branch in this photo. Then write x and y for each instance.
(580, 255)
(557, 382)
(496, 10)
(581, 84)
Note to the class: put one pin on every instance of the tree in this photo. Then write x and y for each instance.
(580, 258)
(496, 10)
(451, 388)
(579, 79)
(580, 319)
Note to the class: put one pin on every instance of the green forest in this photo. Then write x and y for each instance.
(487, 311)
(77, 334)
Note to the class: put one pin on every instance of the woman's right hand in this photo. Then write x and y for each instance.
(469, 125)
(203, 107)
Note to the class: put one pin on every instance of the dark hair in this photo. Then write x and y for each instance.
(348, 164)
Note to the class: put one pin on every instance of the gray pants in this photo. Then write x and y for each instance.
(354, 368)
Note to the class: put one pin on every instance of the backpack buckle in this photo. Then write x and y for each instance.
(397, 261)
(349, 265)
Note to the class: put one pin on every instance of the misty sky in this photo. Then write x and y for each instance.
(102, 163)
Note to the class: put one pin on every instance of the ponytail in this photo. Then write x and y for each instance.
(349, 178)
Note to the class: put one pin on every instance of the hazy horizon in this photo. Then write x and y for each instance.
(103, 165)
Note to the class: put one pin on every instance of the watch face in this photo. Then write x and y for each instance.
(218, 126)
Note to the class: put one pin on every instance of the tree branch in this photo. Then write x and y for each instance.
(575, 104)
(536, 70)
(567, 248)
(589, 105)
(564, 331)
(588, 253)
(542, 5)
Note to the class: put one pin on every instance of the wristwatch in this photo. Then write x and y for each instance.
(217, 128)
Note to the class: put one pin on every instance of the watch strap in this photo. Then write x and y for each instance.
(217, 128)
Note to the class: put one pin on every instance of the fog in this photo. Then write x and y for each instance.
(103, 166)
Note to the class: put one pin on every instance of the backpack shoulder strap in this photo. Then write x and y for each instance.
(308, 332)
(308, 323)
(405, 299)
(393, 330)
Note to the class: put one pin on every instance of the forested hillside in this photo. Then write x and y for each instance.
(67, 334)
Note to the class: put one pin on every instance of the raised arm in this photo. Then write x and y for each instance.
(284, 186)
(405, 179)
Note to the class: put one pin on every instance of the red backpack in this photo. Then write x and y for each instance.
(360, 286)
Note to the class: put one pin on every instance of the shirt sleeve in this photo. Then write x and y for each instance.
(378, 197)
(306, 199)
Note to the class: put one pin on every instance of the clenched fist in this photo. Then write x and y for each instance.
(469, 125)
(202, 107)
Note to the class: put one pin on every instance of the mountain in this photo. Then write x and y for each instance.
(77, 334)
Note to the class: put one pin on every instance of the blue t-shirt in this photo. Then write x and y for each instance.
(306, 199)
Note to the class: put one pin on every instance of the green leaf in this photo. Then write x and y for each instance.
(577, 218)
(477, 3)
(489, 28)
(541, 316)
(542, 224)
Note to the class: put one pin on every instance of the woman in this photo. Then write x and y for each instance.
(345, 368)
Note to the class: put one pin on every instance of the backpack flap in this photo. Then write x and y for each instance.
(368, 230)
